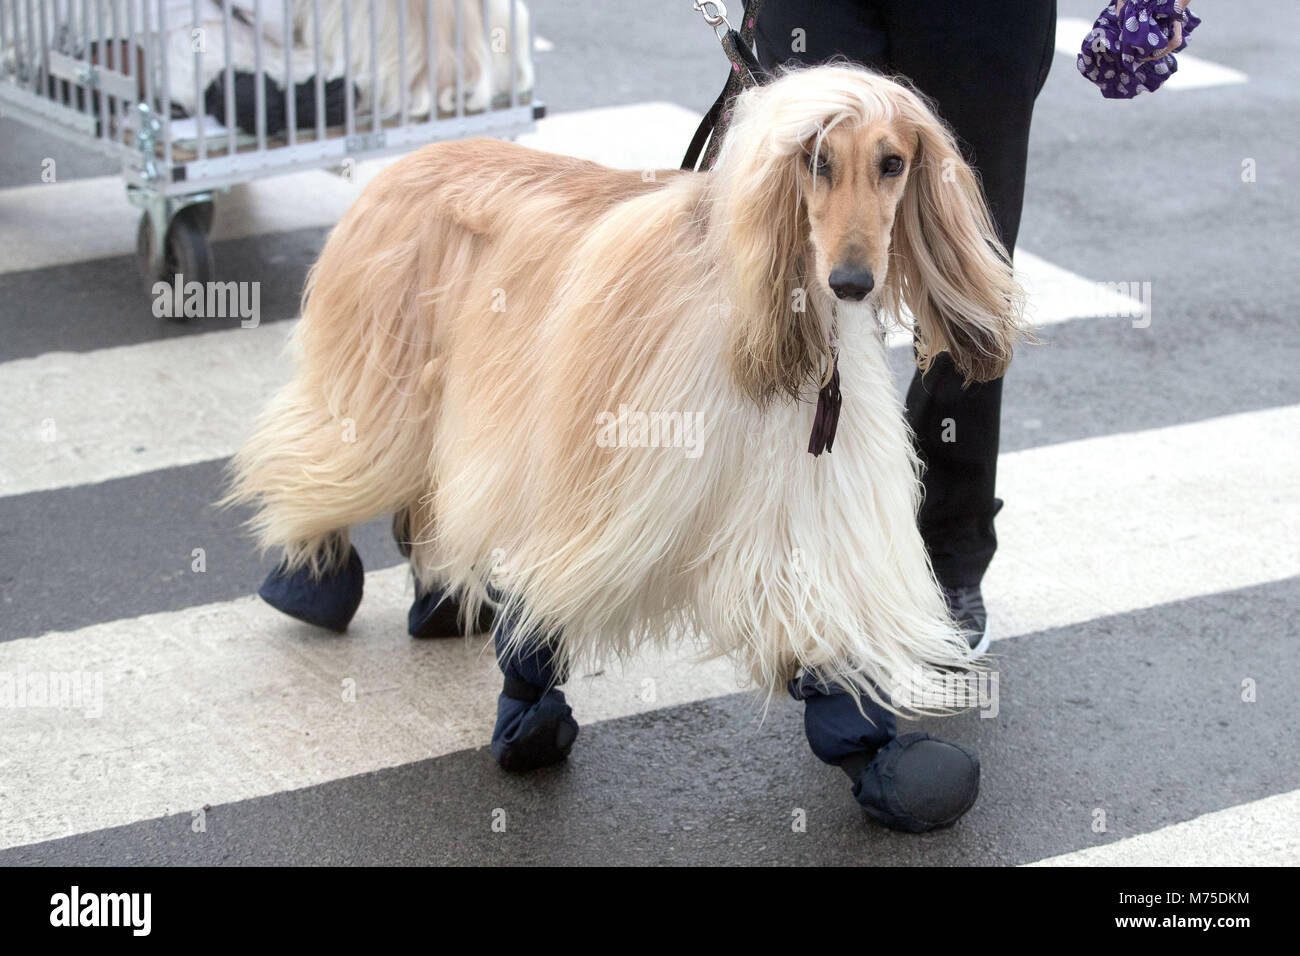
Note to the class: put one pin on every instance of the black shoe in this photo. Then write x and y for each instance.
(437, 614)
(916, 783)
(328, 601)
(966, 605)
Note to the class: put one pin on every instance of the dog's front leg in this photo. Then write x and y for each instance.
(535, 725)
(915, 782)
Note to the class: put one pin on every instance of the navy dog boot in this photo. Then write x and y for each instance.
(328, 601)
(913, 783)
(917, 783)
(437, 614)
(535, 726)
(434, 613)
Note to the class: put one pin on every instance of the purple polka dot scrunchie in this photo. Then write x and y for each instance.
(1113, 51)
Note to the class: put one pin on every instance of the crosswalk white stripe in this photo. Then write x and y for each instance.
(1180, 511)
(61, 223)
(1057, 295)
(70, 418)
(1259, 833)
(231, 700)
(1193, 72)
(84, 417)
(51, 224)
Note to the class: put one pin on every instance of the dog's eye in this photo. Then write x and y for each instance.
(892, 166)
(819, 165)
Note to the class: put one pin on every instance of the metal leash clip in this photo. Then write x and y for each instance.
(715, 15)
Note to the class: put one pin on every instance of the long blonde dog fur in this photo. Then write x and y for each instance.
(483, 307)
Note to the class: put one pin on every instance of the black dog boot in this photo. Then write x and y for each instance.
(437, 614)
(535, 728)
(535, 725)
(328, 601)
(434, 613)
(916, 782)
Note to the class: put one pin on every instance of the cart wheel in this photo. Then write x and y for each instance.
(143, 251)
(203, 212)
(187, 251)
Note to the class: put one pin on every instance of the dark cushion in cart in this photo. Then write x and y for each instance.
(214, 101)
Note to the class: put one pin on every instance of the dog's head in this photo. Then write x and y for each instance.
(838, 185)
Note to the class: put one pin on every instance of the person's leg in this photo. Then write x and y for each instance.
(813, 31)
(535, 725)
(982, 64)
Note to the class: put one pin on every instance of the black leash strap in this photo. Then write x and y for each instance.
(746, 71)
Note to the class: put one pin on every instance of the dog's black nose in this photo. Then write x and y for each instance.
(853, 284)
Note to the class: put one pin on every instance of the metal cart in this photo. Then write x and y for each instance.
(113, 75)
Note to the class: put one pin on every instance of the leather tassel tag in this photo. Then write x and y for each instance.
(828, 412)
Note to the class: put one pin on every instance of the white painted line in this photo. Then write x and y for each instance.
(1260, 833)
(84, 219)
(645, 136)
(1193, 72)
(70, 418)
(233, 700)
(1057, 295)
(1111, 524)
(58, 223)
(230, 701)
(79, 418)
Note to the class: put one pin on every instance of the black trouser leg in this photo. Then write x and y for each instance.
(956, 433)
(982, 62)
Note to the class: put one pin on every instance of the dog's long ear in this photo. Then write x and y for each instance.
(759, 230)
(947, 266)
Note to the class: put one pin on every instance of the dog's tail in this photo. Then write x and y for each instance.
(348, 439)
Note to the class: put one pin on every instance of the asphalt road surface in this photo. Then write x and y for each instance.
(1144, 596)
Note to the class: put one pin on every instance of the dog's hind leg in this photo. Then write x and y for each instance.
(436, 611)
(312, 472)
(535, 725)
(310, 486)
(328, 598)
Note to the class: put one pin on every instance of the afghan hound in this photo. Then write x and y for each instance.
(591, 391)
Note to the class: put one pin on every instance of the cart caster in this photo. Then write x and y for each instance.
(186, 251)
(203, 212)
